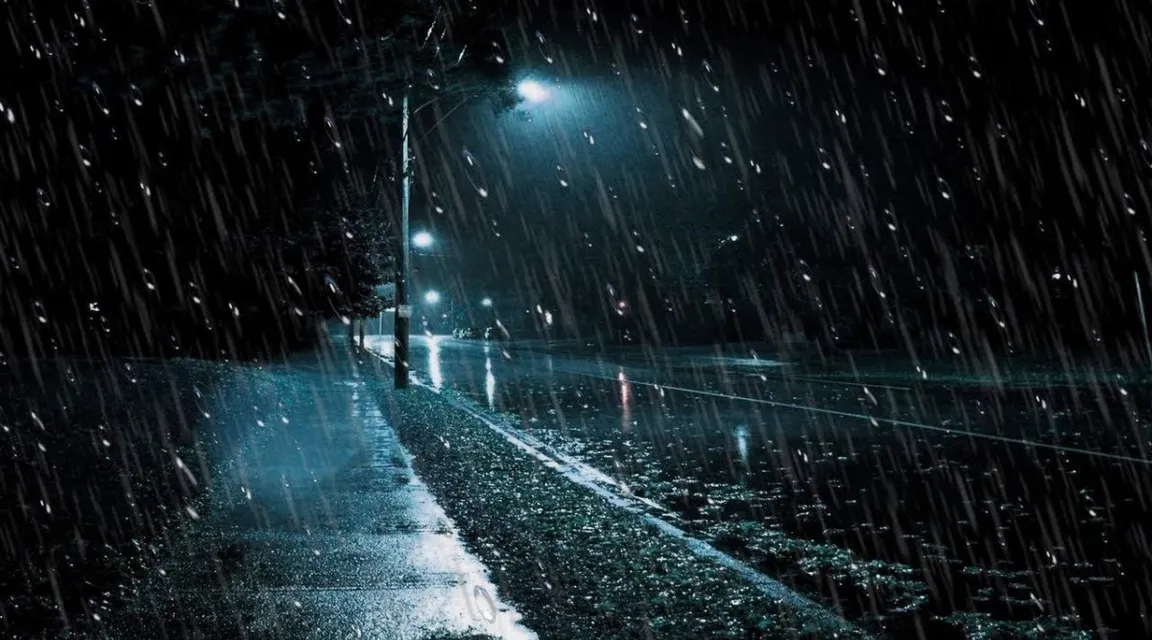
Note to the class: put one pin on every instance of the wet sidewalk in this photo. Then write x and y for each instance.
(315, 527)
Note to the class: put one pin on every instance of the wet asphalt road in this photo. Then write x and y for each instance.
(904, 500)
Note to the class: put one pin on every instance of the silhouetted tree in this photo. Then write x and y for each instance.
(207, 177)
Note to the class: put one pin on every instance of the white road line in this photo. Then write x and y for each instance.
(876, 421)
(734, 368)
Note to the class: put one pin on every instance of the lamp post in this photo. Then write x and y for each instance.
(529, 90)
(403, 309)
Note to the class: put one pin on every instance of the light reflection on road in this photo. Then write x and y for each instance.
(625, 404)
(489, 384)
(434, 370)
(742, 444)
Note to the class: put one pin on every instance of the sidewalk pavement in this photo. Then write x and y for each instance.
(315, 527)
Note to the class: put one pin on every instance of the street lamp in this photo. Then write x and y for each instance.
(532, 91)
(486, 302)
(432, 297)
(422, 240)
(528, 90)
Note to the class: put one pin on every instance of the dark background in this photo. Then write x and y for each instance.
(947, 177)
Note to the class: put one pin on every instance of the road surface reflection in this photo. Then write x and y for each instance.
(489, 379)
(435, 373)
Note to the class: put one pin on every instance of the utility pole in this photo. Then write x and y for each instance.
(403, 309)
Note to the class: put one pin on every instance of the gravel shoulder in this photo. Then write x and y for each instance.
(573, 564)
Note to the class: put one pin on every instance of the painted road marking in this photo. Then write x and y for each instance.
(875, 420)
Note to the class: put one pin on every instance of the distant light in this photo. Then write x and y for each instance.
(532, 91)
(432, 297)
(422, 239)
(486, 302)
(733, 238)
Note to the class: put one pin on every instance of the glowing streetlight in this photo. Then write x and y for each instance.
(532, 91)
(422, 240)
(486, 302)
(432, 297)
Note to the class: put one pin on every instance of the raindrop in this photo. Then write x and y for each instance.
(333, 133)
(588, 136)
(954, 343)
(947, 110)
(484, 604)
(825, 158)
(475, 175)
(340, 10)
(942, 185)
(805, 270)
(545, 47)
(562, 175)
(101, 99)
(710, 77)
(880, 64)
(974, 67)
(997, 314)
(41, 314)
(149, 280)
(636, 25)
(432, 79)
(692, 123)
(437, 202)
(1037, 14)
(137, 95)
(877, 285)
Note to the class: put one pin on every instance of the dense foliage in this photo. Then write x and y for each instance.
(203, 178)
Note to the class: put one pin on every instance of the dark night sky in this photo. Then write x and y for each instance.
(945, 153)
(615, 122)
(973, 127)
